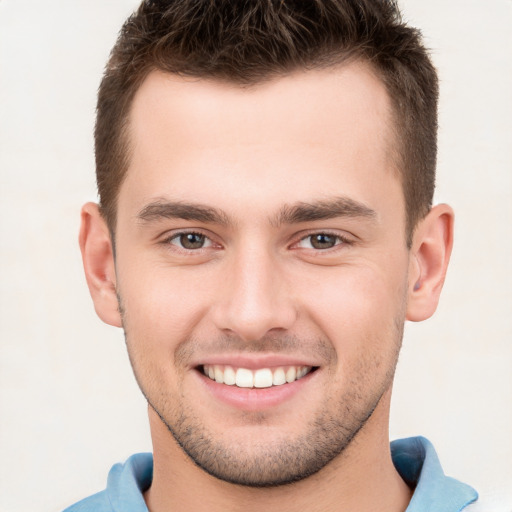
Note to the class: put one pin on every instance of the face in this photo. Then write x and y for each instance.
(261, 266)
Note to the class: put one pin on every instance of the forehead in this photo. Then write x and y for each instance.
(291, 136)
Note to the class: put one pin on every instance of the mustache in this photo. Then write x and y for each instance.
(284, 344)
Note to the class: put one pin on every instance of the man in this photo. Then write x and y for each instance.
(265, 227)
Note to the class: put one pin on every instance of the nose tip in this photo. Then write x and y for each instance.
(250, 325)
(255, 302)
(253, 317)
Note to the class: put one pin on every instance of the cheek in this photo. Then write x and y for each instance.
(358, 307)
(162, 309)
(162, 296)
(362, 315)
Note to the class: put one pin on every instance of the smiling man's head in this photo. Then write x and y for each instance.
(267, 169)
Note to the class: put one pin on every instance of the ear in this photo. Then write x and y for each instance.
(98, 260)
(429, 257)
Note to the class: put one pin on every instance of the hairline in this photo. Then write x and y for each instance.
(395, 142)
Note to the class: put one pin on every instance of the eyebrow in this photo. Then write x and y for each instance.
(163, 209)
(289, 214)
(322, 210)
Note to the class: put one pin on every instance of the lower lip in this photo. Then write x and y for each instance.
(255, 399)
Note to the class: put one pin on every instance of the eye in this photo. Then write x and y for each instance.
(320, 241)
(190, 241)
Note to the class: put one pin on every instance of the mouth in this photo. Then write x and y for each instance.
(255, 378)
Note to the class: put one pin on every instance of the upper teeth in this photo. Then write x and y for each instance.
(261, 378)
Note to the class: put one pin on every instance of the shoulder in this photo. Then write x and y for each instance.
(126, 485)
(98, 503)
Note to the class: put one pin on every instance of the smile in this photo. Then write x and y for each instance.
(259, 378)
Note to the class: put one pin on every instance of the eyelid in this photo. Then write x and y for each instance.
(344, 240)
(176, 233)
(207, 241)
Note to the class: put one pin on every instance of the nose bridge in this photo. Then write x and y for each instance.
(254, 299)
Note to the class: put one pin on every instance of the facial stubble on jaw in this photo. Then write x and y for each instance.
(260, 463)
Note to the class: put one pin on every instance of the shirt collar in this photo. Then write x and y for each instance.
(416, 460)
(127, 482)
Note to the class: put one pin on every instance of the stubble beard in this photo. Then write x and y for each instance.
(270, 463)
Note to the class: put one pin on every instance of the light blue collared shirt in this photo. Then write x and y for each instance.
(414, 458)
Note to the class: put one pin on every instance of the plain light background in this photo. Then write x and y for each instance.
(69, 405)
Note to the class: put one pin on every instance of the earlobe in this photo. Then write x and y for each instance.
(430, 255)
(98, 261)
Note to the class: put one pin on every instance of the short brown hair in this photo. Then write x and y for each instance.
(250, 41)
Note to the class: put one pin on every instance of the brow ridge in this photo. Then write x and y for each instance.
(164, 209)
(289, 214)
(323, 210)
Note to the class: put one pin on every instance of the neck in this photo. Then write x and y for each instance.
(362, 478)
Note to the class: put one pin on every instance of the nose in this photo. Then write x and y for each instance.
(254, 299)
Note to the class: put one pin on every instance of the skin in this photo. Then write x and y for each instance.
(237, 165)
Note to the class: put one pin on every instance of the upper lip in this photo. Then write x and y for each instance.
(254, 361)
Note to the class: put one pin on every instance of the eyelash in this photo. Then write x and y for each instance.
(177, 235)
(340, 241)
